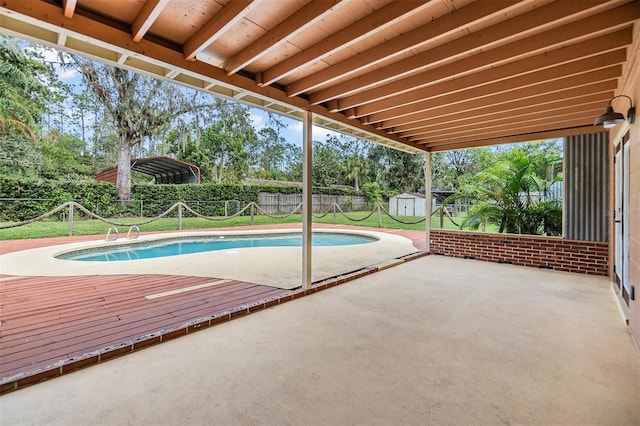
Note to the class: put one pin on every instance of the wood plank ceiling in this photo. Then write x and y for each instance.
(421, 75)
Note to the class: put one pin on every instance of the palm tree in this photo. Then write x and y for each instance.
(355, 167)
(512, 196)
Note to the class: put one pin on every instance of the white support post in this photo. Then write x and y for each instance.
(307, 139)
(428, 203)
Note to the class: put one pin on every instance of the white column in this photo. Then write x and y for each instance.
(427, 199)
(307, 139)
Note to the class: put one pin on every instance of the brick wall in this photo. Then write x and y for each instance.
(587, 257)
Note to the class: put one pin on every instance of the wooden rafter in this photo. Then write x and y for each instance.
(228, 16)
(379, 19)
(529, 111)
(295, 23)
(548, 80)
(480, 107)
(512, 138)
(69, 7)
(489, 38)
(147, 16)
(398, 45)
(507, 130)
(515, 120)
(393, 93)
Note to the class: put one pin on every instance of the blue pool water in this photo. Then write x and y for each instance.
(178, 246)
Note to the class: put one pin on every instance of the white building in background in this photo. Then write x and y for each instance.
(408, 204)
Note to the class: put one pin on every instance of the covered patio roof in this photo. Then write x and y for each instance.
(415, 75)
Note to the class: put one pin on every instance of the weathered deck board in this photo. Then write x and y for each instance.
(47, 319)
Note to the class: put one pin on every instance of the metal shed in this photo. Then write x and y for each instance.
(407, 204)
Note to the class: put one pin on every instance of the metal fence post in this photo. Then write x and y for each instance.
(379, 217)
(179, 216)
(70, 228)
(334, 213)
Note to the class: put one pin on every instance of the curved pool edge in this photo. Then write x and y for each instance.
(273, 266)
(193, 236)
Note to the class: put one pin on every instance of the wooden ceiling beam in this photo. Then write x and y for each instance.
(482, 83)
(526, 137)
(540, 125)
(295, 23)
(429, 32)
(147, 16)
(480, 106)
(69, 8)
(471, 119)
(379, 19)
(489, 38)
(514, 120)
(228, 16)
(551, 78)
(394, 92)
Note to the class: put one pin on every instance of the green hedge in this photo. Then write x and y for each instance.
(22, 199)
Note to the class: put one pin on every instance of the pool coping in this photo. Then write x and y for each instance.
(269, 270)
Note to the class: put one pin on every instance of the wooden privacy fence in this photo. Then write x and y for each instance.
(284, 203)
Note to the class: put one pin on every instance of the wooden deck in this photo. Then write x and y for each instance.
(50, 325)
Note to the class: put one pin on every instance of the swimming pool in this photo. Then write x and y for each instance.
(272, 266)
(180, 246)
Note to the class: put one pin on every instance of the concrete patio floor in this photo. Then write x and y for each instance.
(437, 340)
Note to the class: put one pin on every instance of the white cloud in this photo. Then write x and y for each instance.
(320, 134)
(257, 121)
(57, 58)
(295, 127)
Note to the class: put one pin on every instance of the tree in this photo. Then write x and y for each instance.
(269, 153)
(397, 171)
(356, 167)
(228, 141)
(512, 195)
(63, 156)
(293, 162)
(326, 165)
(141, 107)
(452, 169)
(28, 86)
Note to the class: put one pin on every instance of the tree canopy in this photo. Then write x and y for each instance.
(29, 87)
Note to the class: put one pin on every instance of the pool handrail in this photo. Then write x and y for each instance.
(129, 232)
(117, 234)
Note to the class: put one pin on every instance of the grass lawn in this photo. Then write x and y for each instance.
(96, 227)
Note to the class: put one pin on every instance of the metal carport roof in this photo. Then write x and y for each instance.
(163, 170)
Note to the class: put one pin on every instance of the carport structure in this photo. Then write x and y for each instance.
(162, 169)
(421, 76)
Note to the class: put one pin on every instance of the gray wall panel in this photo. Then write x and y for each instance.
(586, 175)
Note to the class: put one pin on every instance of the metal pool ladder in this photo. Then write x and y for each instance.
(115, 230)
(137, 232)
